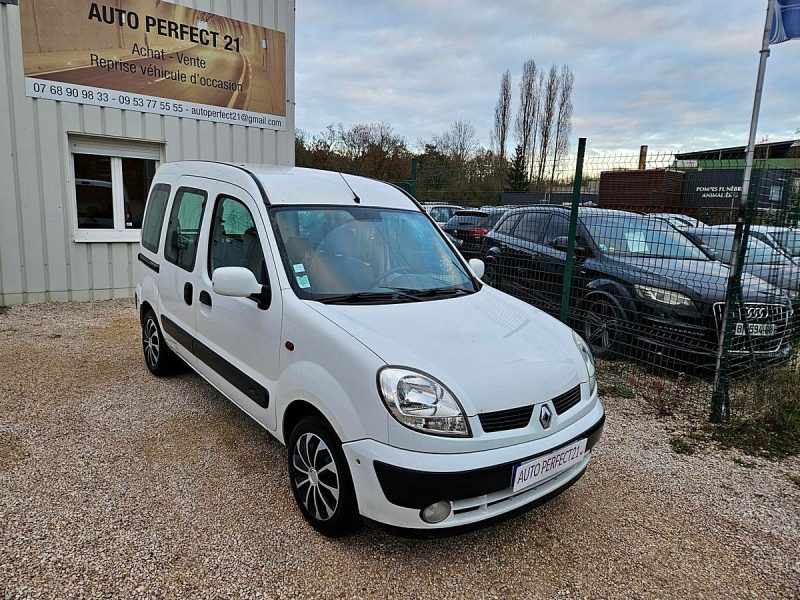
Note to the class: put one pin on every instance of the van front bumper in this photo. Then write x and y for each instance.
(393, 485)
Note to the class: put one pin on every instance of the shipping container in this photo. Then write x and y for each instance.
(641, 190)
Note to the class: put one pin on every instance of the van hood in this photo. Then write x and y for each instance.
(491, 350)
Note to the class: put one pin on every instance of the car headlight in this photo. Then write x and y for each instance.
(588, 358)
(654, 294)
(420, 402)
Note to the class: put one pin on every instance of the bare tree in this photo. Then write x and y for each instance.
(460, 142)
(502, 116)
(538, 87)
(528, 108)
(547, 115)
(563, 118)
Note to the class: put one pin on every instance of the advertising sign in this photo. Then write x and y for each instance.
(156, 57)
(723, 187)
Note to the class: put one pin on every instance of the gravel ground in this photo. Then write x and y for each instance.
(113, 482)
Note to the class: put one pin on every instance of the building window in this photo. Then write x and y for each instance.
(111, 181)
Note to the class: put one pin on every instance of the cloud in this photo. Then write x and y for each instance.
(679, 74)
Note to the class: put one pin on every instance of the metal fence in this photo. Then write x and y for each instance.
(635, 254)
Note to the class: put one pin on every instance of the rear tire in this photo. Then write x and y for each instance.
(320, 478)
(160, 360)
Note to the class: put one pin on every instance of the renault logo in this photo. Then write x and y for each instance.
(545, 417)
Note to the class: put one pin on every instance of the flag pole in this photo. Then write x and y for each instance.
(720, 406)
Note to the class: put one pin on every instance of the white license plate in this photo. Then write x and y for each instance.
(530, 473)
(756, 329)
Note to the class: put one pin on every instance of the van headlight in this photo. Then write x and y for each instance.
(588, 358)
(421, 403)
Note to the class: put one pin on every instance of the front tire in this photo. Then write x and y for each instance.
(320, 478)
(602, 328)
(160, 360)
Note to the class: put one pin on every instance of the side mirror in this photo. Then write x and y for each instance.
(477, 266)
(562, 242)
(238, 282)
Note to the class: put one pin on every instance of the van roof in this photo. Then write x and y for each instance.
(296, 185)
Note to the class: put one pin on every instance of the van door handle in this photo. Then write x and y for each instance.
(188, 292)
(205, 298)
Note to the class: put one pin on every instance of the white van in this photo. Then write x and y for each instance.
(333, 311)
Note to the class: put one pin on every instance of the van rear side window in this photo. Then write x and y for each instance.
(184, 227)
(154, 217)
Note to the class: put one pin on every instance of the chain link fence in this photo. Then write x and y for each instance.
(637, 258)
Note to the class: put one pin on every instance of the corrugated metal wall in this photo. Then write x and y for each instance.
(39, 262)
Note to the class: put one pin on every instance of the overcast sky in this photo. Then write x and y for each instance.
(675, 75)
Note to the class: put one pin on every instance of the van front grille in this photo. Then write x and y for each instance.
(567, 400)
(503, 420)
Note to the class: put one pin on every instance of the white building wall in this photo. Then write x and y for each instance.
(39, 261)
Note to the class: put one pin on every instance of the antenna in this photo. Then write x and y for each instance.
(356, 199)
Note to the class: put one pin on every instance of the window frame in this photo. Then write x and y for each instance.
(217, 203)
(178, 195)
(153, 189)
(116, 149)
(540, 238)
(553, 218)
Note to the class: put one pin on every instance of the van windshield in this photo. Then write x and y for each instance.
(362, 255)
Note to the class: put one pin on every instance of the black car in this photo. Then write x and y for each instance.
(638, 284)
(761, 259)
(470, 226)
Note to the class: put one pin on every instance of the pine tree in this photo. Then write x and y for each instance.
(517, 176)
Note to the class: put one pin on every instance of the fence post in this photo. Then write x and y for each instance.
(720, 407)
(573, 229)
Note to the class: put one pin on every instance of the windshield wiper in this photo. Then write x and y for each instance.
(433, 292)
(366, 297)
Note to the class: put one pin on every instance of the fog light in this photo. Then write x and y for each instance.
(436, 513)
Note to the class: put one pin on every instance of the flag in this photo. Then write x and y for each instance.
(786, 21)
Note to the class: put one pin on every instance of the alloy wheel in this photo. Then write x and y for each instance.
(600, 327)
(151, 342)
(315, 476)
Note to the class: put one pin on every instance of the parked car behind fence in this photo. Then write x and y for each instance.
(440, 212)
(785, 239)
(470, 226)
(639, 286)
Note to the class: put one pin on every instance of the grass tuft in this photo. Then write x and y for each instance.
(767, 414)
(681, 445)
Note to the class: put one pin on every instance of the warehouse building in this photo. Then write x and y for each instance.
(95, 95)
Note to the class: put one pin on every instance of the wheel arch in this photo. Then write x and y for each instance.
(297, 410)
(608, 289)
(144, 309)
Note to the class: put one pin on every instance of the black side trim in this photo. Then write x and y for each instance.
(243, 382)
(183, 337)
(150, 264)
(418, 489)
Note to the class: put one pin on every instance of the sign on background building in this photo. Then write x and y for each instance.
(155, 57)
